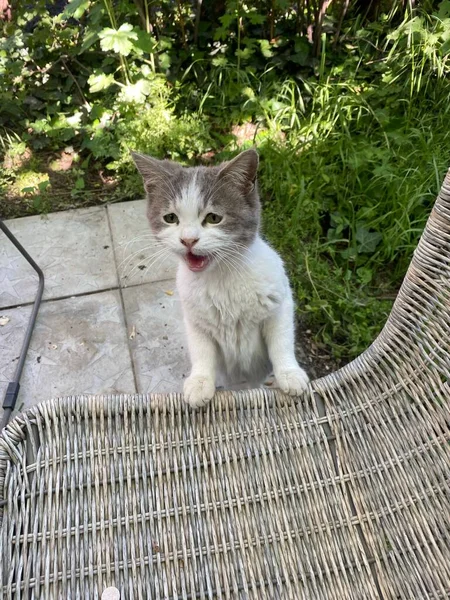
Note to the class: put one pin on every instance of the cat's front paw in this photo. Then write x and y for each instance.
(292, 381)
(199, 390)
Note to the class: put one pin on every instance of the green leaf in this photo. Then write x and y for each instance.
(76, 8)
(365, 275)
(164, 60)
(89, 38)
(367, 240)
(79, 183)
(43, 185)
(145, 42)
(119, 40)
(256, 18)
(265, 48)
(444, 9)
(100, 82)
(219, 61)
(136, 92)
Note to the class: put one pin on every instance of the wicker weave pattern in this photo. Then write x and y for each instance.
(342, 494)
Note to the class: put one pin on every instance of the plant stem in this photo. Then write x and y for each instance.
(80, 91)
(112, 18)
(318, 27)
(183, 29)
(197, 20)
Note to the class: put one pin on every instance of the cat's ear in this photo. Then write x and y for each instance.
(154, 171)
(242, 170)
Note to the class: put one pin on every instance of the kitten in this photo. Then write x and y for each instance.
(237, 303)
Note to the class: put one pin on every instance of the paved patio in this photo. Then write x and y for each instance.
(110, 320)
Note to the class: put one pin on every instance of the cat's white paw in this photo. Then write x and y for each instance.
(198, 390)
(292, 381)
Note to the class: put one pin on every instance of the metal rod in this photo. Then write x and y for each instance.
(12, 390)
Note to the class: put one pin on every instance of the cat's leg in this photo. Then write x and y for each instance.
(200, 386)
(279, 335)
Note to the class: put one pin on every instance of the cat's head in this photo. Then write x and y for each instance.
(203, 214)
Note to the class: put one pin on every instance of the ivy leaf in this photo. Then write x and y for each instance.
(367, 240)
(119, 40)
(100, 82)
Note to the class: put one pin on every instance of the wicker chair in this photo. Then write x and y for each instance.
(343, 493)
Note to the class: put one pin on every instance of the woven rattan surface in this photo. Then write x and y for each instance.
(341, 494)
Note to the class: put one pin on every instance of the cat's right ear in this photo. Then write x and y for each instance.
(154, 171)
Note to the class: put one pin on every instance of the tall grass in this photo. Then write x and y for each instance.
(348, 194)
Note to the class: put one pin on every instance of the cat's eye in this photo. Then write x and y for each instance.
(171, 218)
(212, 219)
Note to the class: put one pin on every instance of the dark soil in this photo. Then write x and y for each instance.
(69, 185)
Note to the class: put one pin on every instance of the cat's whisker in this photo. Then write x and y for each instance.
(155, 255)
(139, 238)
(236, 264)
(149, 257)
(130, 257)
(243, 258)
(221, 260)
(239, 259)
(155, 259)
(232, 266)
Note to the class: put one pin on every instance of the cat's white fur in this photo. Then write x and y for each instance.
(239, 315)
(235, 319)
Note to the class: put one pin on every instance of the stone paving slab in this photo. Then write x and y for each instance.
(81, 342)
(137, 255)
(74, 249)
(159, 348)
(79, 345)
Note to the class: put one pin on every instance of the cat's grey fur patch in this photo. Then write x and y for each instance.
(229, 188)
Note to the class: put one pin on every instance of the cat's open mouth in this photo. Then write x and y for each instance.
(195, 262)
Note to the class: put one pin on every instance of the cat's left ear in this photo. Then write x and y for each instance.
(242, 170)
(154, 171)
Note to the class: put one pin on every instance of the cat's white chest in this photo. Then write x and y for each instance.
(232, 308)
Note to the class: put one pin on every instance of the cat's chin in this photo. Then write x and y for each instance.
(196, 263)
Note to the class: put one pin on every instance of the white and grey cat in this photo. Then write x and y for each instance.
(237, 303)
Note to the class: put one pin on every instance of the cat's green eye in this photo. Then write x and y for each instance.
(171, 218)
(212, 219)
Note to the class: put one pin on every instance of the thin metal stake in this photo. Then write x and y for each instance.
(12, 390)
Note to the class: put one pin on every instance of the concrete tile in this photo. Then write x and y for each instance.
(159, 349)
(135, 252)
(73, 248)
(79, 345)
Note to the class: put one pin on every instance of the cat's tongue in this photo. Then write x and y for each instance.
(196, 263)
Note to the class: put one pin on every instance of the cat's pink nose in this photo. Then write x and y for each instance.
(188, 242)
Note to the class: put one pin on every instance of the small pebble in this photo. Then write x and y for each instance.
(111, 593)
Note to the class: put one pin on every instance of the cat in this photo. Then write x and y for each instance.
(235, 295)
